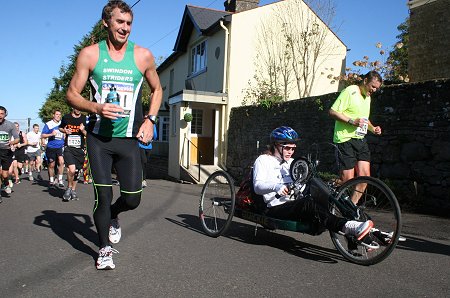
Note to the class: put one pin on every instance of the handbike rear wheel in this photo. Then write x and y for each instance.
(217, 204)
(378, 203)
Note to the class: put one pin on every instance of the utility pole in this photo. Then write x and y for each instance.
(29, 123)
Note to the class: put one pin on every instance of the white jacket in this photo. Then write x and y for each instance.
(270, 175)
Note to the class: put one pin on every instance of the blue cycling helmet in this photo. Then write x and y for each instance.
(283, 134)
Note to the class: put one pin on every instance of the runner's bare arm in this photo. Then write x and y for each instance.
(146, 63)
(153, 80)
(338, 116)
(375, 129)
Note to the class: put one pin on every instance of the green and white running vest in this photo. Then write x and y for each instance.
(127, 80)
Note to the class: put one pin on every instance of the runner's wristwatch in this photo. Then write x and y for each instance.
(152, 118)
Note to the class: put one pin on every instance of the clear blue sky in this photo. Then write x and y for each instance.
(39, 36)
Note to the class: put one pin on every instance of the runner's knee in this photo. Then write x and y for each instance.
(132, 200)
(104, 196)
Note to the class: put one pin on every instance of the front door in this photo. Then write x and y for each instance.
(202, 137)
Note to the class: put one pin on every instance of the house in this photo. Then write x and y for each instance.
(217, 57)
(428, 47)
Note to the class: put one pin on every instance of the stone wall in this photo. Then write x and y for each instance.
(429, 44)
(412, 155)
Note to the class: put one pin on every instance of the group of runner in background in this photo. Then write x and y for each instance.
(59, 146)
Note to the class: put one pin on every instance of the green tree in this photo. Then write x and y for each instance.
(57, 96)
(398, 57)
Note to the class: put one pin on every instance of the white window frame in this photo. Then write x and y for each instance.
(197, 122)
(199, 58)
(163, 121)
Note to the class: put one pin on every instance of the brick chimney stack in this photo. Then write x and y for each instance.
(240, 5)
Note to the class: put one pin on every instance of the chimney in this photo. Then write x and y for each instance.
(240, 5)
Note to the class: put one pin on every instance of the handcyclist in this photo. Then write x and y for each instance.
(116, 69)
(271, 177)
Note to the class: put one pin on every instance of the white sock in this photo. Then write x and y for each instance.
(60, 178)
(52, 179)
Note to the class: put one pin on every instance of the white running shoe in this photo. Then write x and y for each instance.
(7, 189)
(115, 231)
(357, 229)
(144, 183)
(105, 261)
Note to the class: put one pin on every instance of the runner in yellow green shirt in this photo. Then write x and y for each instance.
(351, 111)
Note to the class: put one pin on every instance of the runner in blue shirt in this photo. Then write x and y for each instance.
(54, 150)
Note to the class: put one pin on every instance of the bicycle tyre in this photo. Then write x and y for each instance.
(379, 204)
(217, 203)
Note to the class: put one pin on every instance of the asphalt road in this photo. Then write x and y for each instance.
(48, 249)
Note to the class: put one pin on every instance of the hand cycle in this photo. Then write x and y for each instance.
(218, 205)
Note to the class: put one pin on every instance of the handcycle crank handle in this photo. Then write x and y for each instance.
(290, 193)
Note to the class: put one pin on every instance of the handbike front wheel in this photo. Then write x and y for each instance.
(217, 203)
(300, 170)
(376, 202)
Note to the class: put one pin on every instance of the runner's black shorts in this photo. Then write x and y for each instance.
(53, 153)
(74, 156)
(20, 156)
(6, 158)
(352, 151)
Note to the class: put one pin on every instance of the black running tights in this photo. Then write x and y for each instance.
(122, 154)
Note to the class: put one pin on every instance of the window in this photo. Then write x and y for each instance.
(171, 79)
(163, 129)
(197, 121)
(198, 57)
(174, 120)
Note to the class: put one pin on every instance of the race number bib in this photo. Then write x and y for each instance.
(74, 141)
(361, 131)
(125, 91)
(59, 135)
(4, 137)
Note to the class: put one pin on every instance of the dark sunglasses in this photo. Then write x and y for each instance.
(288, 148)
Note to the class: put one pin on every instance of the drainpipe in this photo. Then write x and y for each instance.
(224, 121)
(225, 59)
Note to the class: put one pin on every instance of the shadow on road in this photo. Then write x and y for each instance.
(246, 233)
(54, 192)
(422, 245)
(5, 195)
(67, 226)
